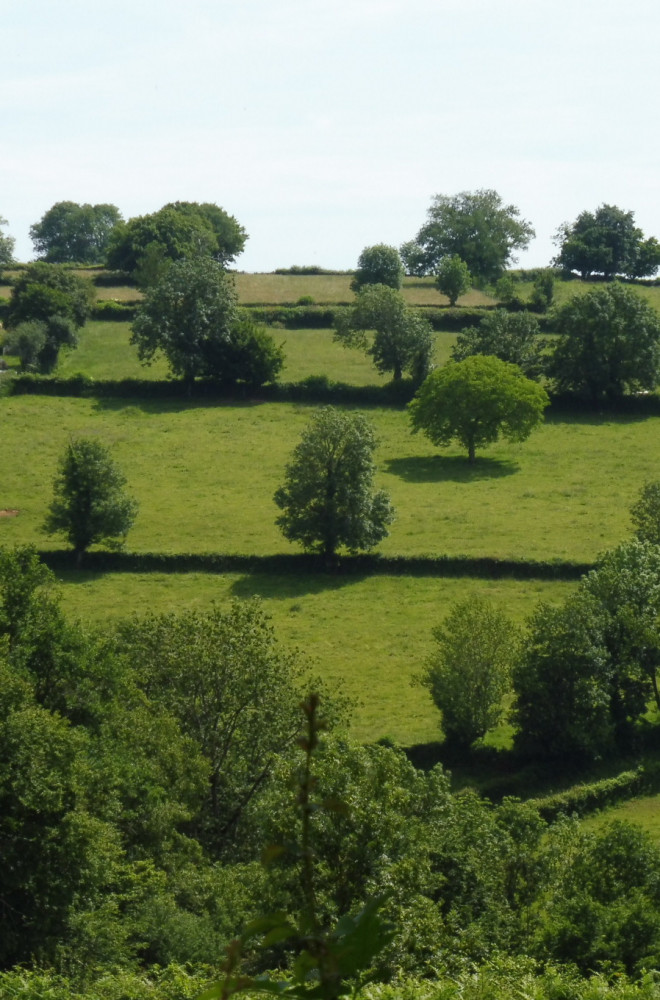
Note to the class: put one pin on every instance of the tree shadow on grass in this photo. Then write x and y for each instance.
(285, 587)
(438, 468)
(171, 404)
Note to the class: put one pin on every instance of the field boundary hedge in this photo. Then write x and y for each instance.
(587, 798)
(486, 567)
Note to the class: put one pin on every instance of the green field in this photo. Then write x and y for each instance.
(204, 475)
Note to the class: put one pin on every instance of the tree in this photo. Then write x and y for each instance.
(235, 694)
(512, 337)
(476, 226)
(7, 244)
(543, 290)
(608, 344)
(69, 233)
(606, 242)
(89, 504)
(562, 681)
(453, 278)
(476, 400)
(179, 230)
(378, 265)
(469, 670)
(51, 295)
(27, 342)
(327, 498)
(402, 340)
(191, 316)
(626, 583)
(645, 513)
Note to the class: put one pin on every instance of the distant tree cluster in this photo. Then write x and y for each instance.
(69, 233)
(606, 242)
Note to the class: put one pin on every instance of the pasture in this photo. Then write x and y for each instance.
(204, 474)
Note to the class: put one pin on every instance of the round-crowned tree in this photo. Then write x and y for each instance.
(475, 401)
(328, 499)
(89, 504)
(608, 344)
(378, 265)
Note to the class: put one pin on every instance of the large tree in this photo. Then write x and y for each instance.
(89, 503)
(191, 316)
(69, 233)
(512, 337)
(608, 344)
(181, 229)
(7, 244)
(606, 242)
(328, 498)
(475, 401)
(475, 225)
(402, 339)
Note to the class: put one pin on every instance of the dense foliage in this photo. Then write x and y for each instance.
(55, 303)
(402, 339)
(608, 344)
(89, 503)
(606, 242)
(327, 497)
(378, 265)
(7, 244)
(69, 233)
(474, 225)
(179, 230)
(475, 401)
(191, 317)
(509, 336)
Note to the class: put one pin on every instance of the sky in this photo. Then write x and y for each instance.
(325, 127)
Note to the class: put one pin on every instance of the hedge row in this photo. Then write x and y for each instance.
(108, 309)
(304, 564)
(583, 799)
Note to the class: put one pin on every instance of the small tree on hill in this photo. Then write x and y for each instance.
(89, 505)
(378, 265)
(476, 400)
(468, 672)
(453, 278)
(327, 498)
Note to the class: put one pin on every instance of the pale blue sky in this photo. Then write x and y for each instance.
(325, 127)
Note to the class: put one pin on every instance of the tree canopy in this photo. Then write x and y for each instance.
(191, 317)
(606, 242)
(327, 498)
(89, 504)
(7, 244)
(475, 401)
(608, 344)
(179, 230)
(453, 278)
(402, 340)
(378, 265)
(69, 233)
(474, 225)
(468, 672)
(55, 303)
(512, 337)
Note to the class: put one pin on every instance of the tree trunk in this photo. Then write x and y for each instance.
(471, 451)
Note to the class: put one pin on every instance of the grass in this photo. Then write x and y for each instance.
(327, 289)
(643, 811)
(205, 476)
(369, 635)
(104, 352)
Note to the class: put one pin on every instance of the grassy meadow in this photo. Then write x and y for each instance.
(205, 472)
